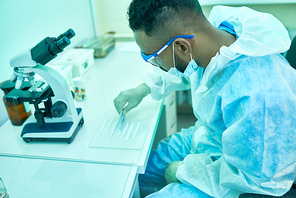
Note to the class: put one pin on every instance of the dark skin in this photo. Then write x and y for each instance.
(203, 47)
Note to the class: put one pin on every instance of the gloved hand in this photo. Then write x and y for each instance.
(131, 96)
(170, 172)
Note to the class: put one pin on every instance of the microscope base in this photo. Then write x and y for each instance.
(52, 132)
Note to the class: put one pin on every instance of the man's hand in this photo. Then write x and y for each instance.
(170, 172)
(129, 99)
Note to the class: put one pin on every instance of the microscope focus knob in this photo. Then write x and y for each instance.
(58, 109)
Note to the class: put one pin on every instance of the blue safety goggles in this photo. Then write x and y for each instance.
(150, 58)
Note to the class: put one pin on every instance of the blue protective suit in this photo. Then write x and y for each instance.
(245, 103)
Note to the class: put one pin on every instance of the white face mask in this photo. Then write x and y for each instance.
(190, 69)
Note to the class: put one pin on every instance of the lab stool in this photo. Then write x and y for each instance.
(290, 194)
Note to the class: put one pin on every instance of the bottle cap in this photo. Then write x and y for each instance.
(7, 86)
(77, 81)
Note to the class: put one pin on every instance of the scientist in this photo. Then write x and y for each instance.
(243, 95)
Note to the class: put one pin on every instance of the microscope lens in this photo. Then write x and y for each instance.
(62, 43)
(59, 45)
(69, 34)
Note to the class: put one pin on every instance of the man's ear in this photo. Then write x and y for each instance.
(183, 46)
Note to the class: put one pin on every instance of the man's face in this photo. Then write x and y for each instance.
(150, 45)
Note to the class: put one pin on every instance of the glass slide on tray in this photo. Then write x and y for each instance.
(110, 133)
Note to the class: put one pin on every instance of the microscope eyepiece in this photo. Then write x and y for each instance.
(63, 42)
(48, 48)
(69, 34)
(59, 45)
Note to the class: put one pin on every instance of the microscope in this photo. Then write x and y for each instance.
(56, 118)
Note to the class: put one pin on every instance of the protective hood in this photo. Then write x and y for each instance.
(259, 34)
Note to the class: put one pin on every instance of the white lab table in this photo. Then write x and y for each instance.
(120, 70)
(35, 178)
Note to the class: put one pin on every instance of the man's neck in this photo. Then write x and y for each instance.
(212, 43)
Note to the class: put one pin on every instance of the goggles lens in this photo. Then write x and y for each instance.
(156, 61)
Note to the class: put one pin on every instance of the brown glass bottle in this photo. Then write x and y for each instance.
(18, 114)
